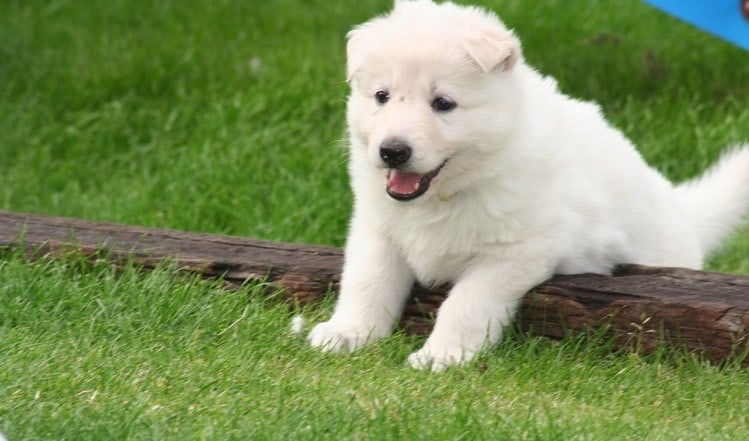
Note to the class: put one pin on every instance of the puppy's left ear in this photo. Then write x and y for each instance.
(493, 50)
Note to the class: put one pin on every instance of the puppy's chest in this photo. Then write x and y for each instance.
(439, 245)
(435, 260)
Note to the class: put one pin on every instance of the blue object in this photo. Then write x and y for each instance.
(722, 18)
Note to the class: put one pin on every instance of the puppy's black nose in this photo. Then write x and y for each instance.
(395, 152)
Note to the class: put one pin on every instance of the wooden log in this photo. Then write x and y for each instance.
(642, 307)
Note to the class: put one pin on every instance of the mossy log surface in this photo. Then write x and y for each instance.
(640, 307)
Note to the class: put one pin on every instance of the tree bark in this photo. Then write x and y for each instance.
(639, 307)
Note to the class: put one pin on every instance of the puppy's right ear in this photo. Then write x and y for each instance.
(493, 50)
(354, 57)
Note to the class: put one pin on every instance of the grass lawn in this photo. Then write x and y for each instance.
(227, 116)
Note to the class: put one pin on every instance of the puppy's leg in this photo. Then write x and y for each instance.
(374, 286)
(477, 309)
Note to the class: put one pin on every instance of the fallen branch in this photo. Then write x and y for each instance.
(641, 306)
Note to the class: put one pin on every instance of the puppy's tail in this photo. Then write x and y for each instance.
(717, 200)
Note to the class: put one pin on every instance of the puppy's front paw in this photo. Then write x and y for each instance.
(338, 337)
(439, 357)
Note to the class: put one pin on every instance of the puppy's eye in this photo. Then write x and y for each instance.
(381, 97)
(441, 104)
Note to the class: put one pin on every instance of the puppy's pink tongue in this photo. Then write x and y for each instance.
(403, 182)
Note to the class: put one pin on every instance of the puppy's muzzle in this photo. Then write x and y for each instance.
(395, 152)
(403, 184)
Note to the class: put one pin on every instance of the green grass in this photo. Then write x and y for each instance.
(227, 116)
(95, 353)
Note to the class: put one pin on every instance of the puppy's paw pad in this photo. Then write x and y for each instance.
(335, 337)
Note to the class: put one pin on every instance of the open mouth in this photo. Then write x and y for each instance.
(405, 186)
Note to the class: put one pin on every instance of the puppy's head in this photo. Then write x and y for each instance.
(431, 93)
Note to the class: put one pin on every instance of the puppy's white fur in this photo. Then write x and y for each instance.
(534, 183)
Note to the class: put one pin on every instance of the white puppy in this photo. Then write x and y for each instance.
(469, 167)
